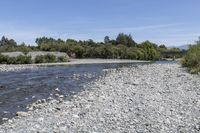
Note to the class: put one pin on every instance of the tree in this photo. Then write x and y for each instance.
(3, 41)
(125, 40)
(130, 41)
(150, 50)
(6, 42)
(90, 42)
(121, 39)
(106, 39)
(163, 46)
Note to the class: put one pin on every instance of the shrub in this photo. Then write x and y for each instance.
(50, 59)
(3, 59)
(192, 59)
(62, 59)
(39, 59)
(23, 60)
(15, 60)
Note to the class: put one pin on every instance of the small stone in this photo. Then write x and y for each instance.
(22, 114)
(30, 108)
(75, 116)
(57, 108)
(39, 101)
(4, 119)
(63, 129)
(49, 98)
(57, 89)
(181, 75)
(43, 101)
(57, 95)
(61, 96)
(10, 121)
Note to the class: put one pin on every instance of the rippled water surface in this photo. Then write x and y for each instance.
(18, 89)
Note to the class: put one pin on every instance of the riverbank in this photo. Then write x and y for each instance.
(149, 98)
(72, 62)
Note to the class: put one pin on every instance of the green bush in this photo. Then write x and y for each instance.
(3, 59)
(62, 59)
(50, 59)
(192, 59)
(45, 59)
(39, 59)
(23, 59)
(15, 60)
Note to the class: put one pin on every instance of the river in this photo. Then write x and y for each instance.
(19, 89)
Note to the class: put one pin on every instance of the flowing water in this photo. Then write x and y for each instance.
(19, 89)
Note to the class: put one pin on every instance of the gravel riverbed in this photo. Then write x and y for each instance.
(148, 98)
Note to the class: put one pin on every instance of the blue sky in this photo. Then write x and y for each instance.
(170, 22)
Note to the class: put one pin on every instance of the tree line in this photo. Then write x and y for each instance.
(123, 47)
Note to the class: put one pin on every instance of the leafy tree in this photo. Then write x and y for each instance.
(162, 46)
(106, 39)
(150, 50)
(125, 40)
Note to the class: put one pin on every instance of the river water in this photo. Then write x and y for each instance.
(19, 89)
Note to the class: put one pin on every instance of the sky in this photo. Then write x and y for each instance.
(169, 22)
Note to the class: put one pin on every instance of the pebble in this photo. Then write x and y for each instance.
(22, 114)
(57, 89)
(4, 119)
(148, 98)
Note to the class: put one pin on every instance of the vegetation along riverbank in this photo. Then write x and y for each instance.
(123, 47)
(192, 58)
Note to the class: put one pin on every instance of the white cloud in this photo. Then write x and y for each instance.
(138, 28)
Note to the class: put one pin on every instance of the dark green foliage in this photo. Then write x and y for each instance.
(162, 47)
(7, 45)
(40, 59)
(23, 60)
(6, 42)
(125, 39)
(23, 48)
(123, 47)
(45, 58)
(106, 39)
(78, 50)
(192, 58)
(150, 50)
(15, 60)
(48, 58)
(62, 59)
(3, 59)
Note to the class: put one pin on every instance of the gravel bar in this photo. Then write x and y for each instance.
(7, 68)
(156, 98)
